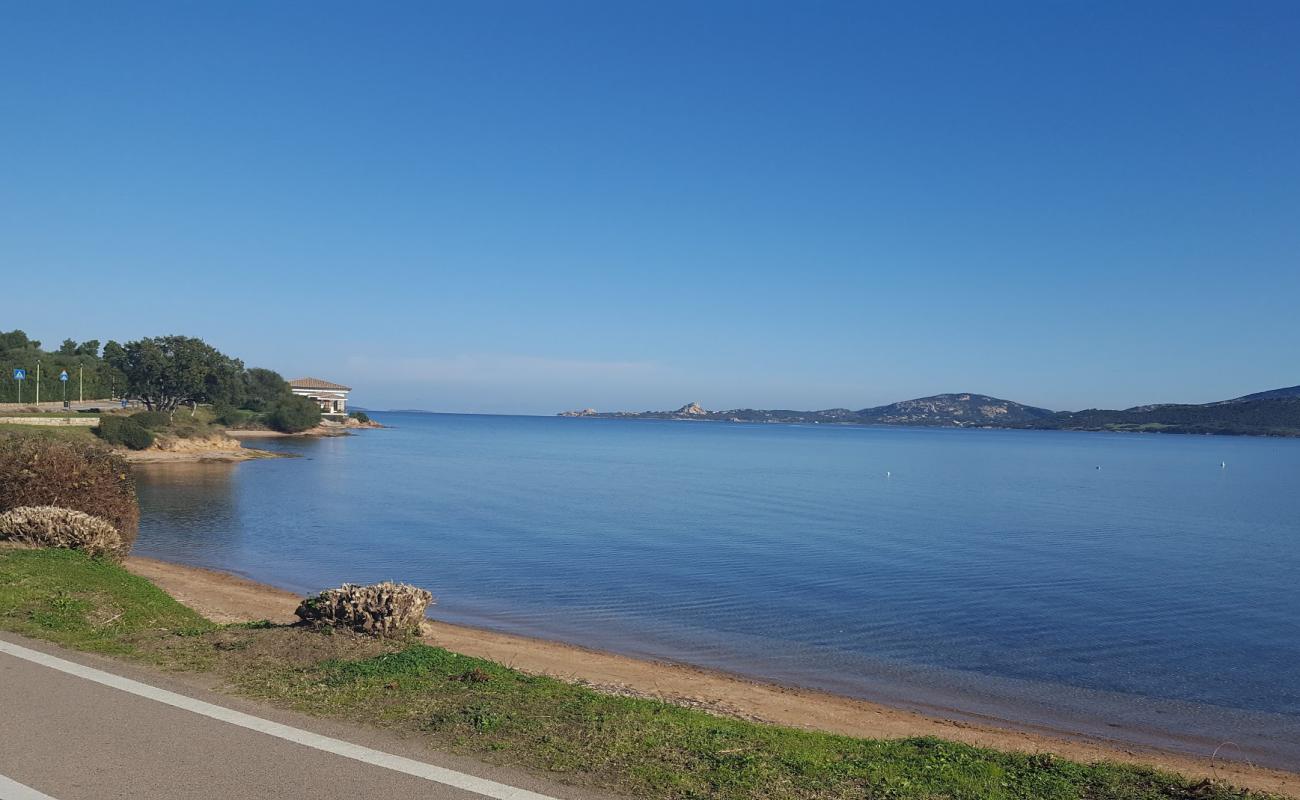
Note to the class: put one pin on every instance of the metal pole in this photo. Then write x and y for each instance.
(81, 384)
(38, 383)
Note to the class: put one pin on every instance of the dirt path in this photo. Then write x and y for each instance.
(227, 598)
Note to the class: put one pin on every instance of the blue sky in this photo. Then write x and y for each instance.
(528, 207)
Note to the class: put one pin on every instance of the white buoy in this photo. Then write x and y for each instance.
(1223, 465)
(888, 474)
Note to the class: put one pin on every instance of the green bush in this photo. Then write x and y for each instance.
(263, 388)
(233, 417)
(360, 416)
(124, 431)
(151, 420)
(83, 476)
(293, 414)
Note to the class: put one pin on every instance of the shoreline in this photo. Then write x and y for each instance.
(214, 456)
(224, 597)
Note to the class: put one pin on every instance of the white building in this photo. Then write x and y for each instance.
(332, 397)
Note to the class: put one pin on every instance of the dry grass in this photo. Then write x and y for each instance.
(382, 609)
(83, 476)
(51, 526)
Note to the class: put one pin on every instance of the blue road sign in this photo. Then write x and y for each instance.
(20, 374)
(63, 376)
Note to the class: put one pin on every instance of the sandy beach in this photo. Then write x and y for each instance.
(229, 598)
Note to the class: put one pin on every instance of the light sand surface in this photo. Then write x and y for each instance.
(228, 598)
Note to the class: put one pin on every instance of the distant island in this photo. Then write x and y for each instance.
(1271, 413)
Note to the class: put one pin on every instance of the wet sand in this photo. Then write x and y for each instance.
(228, 598)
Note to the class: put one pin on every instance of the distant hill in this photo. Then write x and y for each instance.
(942, 410)
(1271, 394)
(958, 410)
(1272, 413)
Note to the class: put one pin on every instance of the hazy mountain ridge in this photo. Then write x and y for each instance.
(941, 410)
(1270, 413)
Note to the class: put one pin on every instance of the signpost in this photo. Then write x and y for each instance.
(63, 379)
(20, 375)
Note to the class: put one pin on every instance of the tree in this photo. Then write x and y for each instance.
(113, 351)
(17, 340)
(293, 414)
(262, 388)
(90, 347)
(166, 371)
(68, 348)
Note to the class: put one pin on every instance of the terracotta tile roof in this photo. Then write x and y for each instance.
(317, 383)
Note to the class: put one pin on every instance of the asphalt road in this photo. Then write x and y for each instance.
(79, 727)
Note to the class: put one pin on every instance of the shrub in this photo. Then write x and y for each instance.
(232, 417)
(360, 416)
(293, 414)
(124, 431)
(384, 609)
(51, 526)
(83, 476)
(187, 427)
(151, 420)
(263, 388)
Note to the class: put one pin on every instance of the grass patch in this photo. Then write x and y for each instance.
(77, 433)
(655, 750)
(84, 603)
(644, 748)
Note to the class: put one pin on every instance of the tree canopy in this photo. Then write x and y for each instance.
(166, 371)
(262, 388)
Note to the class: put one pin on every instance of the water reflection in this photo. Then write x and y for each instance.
(195, 504)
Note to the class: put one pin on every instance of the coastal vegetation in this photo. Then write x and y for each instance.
(83, 476)
(88, 373)
(165, 374)
(292, 414)
(124, 431)
(645, 748)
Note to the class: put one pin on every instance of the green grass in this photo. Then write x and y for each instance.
(84, 603)
(644, 748)
(81, 433)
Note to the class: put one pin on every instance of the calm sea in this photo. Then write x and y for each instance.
(1123, 585)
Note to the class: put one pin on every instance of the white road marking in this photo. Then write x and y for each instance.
(13, 790)
(408, 766)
